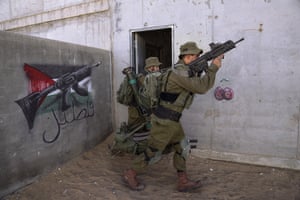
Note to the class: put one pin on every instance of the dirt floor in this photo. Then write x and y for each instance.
(97, 175)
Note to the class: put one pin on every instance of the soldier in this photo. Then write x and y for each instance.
(177, 94)
(152, 67)
(132, 136)
(151, 82)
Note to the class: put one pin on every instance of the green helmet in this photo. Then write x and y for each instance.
(152, 61)
(190, 48)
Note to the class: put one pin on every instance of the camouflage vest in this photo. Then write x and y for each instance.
(185, 98)
(151, 88)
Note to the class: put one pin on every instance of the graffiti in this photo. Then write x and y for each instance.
(221, 93)
(82, 114)
(42, 85)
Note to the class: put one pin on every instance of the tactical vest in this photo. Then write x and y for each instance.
(182, 100)
(151, 88)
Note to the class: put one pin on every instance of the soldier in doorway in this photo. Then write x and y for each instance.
(132, 137)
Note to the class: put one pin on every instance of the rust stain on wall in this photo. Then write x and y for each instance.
(212, 113)
(260, 29)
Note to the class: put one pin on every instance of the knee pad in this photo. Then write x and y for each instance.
(186, 147)
(152, 155)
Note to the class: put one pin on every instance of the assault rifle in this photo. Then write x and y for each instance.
(32, 102)
(143, 110)
(200, 64)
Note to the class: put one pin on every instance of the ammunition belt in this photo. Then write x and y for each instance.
(166, 113)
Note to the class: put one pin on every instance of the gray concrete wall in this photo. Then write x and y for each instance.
(84, 22)
(24, 154)
(260, 125)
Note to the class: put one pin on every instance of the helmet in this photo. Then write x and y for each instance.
(190, 48)
(152, 61)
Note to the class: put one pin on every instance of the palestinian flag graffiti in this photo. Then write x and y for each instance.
(55, 88)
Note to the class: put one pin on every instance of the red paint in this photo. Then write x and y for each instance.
(38, 80)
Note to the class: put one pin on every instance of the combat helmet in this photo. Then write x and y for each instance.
(152, 61)
(190, 48)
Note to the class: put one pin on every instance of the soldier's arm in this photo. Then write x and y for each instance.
(199, 85)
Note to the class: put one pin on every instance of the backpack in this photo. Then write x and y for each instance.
(125, 93)
(127, 140)
(151, 88)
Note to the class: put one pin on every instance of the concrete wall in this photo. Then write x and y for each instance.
(260, 125)
(56, 136)
(84, 22)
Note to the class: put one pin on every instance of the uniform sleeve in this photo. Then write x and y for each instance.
(197, 85)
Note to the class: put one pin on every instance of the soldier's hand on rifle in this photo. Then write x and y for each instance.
(218, 60)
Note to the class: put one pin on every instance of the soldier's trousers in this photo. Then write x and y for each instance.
(164, 135)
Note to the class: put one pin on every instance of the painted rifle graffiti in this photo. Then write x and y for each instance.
(32, 102)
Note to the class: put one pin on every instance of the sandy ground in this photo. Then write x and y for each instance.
(96, 174)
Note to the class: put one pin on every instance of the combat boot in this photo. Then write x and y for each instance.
(131, 181)
(185, 185)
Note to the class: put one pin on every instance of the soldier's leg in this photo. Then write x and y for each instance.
(134, 117)
(157, 141)
(179, 162)
(184, 184)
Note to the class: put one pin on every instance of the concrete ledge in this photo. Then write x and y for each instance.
(287, 163)
(54, 15)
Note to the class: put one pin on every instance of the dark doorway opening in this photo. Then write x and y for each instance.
(151, 42)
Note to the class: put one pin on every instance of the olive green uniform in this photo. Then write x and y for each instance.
(135, 118)
(131, 136)
(166, 130)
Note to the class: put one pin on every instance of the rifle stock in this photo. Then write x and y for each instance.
(31, 103)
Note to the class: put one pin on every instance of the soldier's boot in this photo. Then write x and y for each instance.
(186, 185)
(131, 181)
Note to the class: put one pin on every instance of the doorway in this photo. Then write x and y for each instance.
(148, 42)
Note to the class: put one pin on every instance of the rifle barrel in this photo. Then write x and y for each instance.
(239, 40)
(97, 64)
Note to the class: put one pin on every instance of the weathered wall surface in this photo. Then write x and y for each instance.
(25, 155)
(57, 134)
(85, 22)
(260, 124)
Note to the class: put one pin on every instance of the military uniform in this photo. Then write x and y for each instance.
(167, 132)
(177, 94)
(132, 137)
(134, 116)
